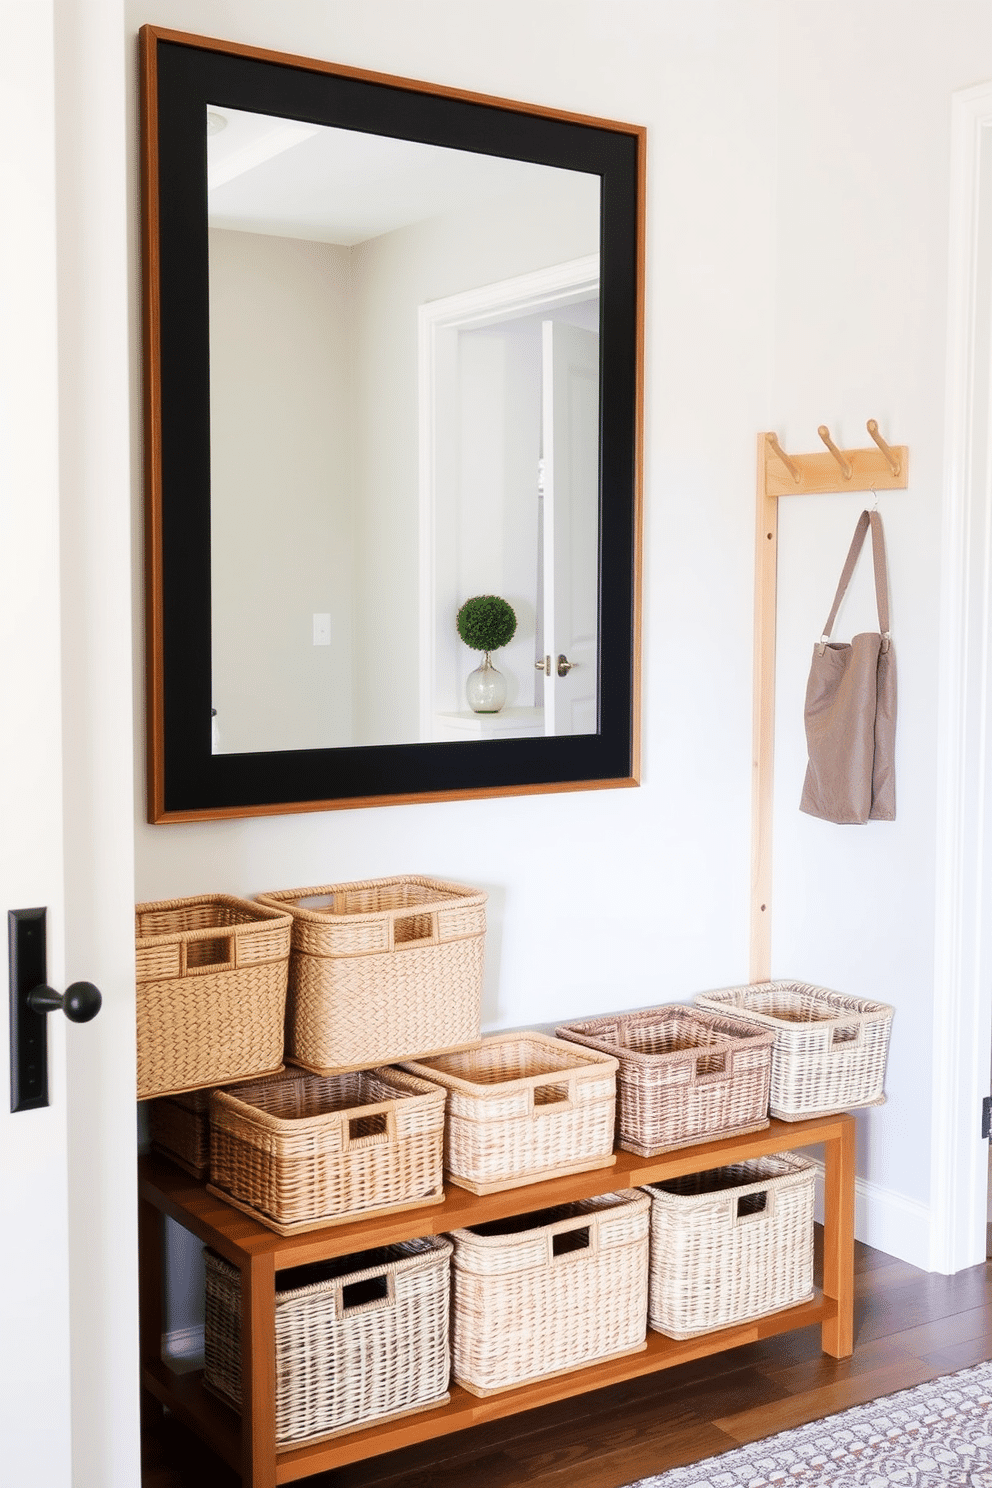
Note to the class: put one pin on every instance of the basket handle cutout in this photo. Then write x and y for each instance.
(556, 1093)
(848, 1034)
(568, 1241)
(373, 1129)
(711, 1066)
(414, 928)
(213, 954)
(367, 1126)
(359, 1294)
(750, 1204)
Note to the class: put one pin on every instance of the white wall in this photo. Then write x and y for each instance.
(796, 246)
(861, 326)
(281, 484)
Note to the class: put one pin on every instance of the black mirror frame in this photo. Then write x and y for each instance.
(186, 781)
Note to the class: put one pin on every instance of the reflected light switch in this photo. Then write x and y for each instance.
(322, 630)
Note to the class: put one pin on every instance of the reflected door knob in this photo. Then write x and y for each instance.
(565, 666)
(80, 1002)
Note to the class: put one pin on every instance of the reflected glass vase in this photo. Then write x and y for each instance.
(485, 688)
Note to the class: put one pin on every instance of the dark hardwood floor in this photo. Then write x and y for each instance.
(909, 1327)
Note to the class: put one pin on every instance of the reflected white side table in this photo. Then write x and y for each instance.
(510, 723)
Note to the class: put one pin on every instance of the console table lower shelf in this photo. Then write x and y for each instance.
(247, 1442)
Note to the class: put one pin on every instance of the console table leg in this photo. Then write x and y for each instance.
(258, 1373)
(150, 1299)
(838, 1240)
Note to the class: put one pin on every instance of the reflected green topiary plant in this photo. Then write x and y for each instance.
(486, 622)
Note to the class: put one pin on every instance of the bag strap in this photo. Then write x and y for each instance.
(874, 520)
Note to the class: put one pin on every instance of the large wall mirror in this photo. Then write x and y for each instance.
(392, 363)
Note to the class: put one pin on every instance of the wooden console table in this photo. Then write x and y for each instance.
(247, 1443)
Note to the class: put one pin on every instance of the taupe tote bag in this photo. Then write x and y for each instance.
(851, 707)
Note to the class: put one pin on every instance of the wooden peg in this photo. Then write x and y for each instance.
(790, 465)
(895, 463)
(846, 470)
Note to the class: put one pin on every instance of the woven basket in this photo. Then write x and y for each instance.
(685, 1076)
(383, 970)
(360, 1338)
(523, 1107)
(211, 992)
(304, 1152)
(731, 1245)
(830, 1050)
(179, 1126)
(542, 1294)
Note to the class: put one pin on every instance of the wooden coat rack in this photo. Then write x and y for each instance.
(881, 468)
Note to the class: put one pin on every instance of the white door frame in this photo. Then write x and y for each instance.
(962, 1031)
(525, 294)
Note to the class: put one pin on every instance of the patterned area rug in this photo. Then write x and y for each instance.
(934, 1435)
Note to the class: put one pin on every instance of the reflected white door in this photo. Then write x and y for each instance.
(570, 439)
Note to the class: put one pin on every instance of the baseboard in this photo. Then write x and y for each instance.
(886, 1221)
(182, 1349)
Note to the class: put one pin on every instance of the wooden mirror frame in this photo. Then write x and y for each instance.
(186, 781)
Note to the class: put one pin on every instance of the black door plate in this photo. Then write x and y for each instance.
(28, 1029)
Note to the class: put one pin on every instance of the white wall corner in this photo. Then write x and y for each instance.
(886, 1220)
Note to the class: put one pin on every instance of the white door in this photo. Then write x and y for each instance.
(68, 1363)
(570, 440)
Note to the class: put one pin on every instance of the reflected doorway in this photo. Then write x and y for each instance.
(509, 425)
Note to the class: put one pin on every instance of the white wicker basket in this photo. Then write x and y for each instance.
(830, 1049)
(523, 1107)
(359, 1338)
(541, 1294)
(731, 1244)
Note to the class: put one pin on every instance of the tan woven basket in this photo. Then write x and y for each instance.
(359, 1338)
(830, 1049)
(382, 970)
(731, 1245)
(522, 1107)
(211, 992)
(685, 1075)
(542, 1294)
(312, 1150)
(179, 1126)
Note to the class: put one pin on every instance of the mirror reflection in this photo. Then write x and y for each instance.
(404, 413)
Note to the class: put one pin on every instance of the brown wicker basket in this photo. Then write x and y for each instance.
(541, 1294)
(731, 1244)
(382, 970)
(830, 1049)
(685, 1075)
(360, 1338)
(523, 1107)
(211, 992)
(179, 1126)
(311, 1150)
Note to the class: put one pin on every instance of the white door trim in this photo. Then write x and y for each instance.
(525, 294)
(962, 1031)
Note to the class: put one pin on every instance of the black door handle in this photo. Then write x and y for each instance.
(80, 1002)
(31, 999)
